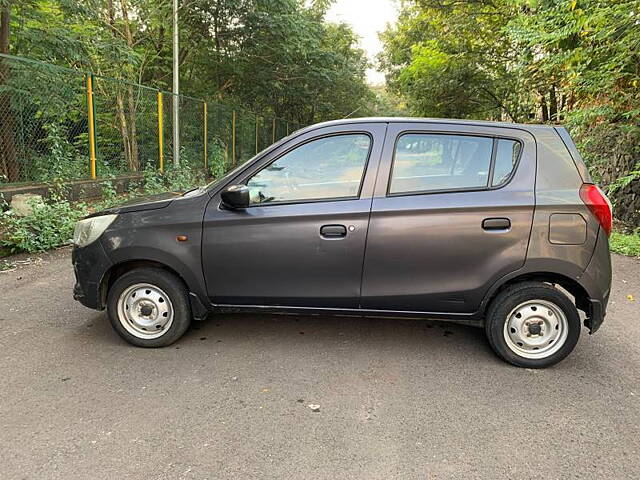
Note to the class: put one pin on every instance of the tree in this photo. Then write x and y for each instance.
(452, 58)
(9, 167)
(570, 61)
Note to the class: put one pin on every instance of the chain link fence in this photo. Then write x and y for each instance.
(61, 124)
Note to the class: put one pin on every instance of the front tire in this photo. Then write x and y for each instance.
(532, 325)
(149, 307)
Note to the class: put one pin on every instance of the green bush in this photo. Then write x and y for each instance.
(49, 225)
(62, 160)
(52, 221)
(174, 179)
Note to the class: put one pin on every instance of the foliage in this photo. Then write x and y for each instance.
(217, 162)
(49, 225)
(51, 221)
(61, 160)
(625, 244)
(571, 61)
(450, 58)
(273, 56)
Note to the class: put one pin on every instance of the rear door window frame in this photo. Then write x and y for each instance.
(487, 187)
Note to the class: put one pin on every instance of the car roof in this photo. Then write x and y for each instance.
(451, 121)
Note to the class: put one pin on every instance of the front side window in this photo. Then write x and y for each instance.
(431, 162)
(327, 168)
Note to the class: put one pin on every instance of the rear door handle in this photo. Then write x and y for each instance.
(333, 231)
(496, 224)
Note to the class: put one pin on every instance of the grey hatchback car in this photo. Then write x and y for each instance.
(494, 225)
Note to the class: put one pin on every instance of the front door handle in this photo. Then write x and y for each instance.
(333, 231)
(496, 224)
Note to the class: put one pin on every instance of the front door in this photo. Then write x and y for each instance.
(301, 242)
(451, 214)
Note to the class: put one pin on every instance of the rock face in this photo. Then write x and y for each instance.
(22, 204)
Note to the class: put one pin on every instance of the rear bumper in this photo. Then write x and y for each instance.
(90, 264)
(595, 317)
(596, 280)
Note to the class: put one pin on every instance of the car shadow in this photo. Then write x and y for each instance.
(322, 331)
(270, 330)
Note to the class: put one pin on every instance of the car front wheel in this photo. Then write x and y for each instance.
(149, 307)
(532, 325)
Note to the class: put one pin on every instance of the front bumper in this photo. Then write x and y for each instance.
(90, 265)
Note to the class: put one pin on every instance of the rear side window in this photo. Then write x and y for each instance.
(507, 154)
(431, 162)
(428, 162)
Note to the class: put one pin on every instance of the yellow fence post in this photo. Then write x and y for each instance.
(205, 134)
(287, 128)
(233, 139)
(257, 121)
(160, 134)
(92, 126)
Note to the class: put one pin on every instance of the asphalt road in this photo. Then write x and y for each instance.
(398, 399)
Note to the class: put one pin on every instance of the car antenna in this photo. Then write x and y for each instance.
(354, 111)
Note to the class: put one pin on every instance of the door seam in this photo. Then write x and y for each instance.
(366, 236)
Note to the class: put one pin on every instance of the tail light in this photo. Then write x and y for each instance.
(599, 205)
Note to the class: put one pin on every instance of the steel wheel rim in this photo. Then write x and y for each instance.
(145, 311)
(536, 329)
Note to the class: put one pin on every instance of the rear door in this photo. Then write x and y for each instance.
(451, 214)
(301, 242)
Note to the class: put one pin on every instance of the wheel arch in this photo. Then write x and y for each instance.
(572, 286)
(117, 270)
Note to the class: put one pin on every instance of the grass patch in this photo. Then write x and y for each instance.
(625, 243)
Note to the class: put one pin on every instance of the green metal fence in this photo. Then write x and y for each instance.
(58, 123)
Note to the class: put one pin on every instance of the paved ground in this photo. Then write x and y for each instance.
(398, 399)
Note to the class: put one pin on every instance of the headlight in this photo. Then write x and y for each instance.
(87, 231)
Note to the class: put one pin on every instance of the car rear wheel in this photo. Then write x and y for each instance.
(532, 325)
(149, 307)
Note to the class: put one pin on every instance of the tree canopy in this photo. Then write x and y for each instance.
(564, 61)
(273, 56)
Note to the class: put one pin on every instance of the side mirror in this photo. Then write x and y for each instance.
(235, 197)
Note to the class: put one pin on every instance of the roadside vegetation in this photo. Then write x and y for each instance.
(51, 222)
(625, 243)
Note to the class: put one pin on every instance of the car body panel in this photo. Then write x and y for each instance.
(274, 254)
(429, 252)
(151, 235)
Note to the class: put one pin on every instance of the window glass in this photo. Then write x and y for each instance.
(507, 155)
(329, 167)
(426, 162)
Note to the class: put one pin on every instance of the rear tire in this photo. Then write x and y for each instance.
(149, 307)
(532, 325)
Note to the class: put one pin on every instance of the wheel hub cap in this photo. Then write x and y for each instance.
(536, 329)
(145, 311)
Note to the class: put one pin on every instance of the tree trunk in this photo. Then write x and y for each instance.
(123, 126)
(544, 109)
(122, 118)
(9, 166)
(553, 104)
(134, 160)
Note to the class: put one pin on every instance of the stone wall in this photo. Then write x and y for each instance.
(612, 152)
(77, 189)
